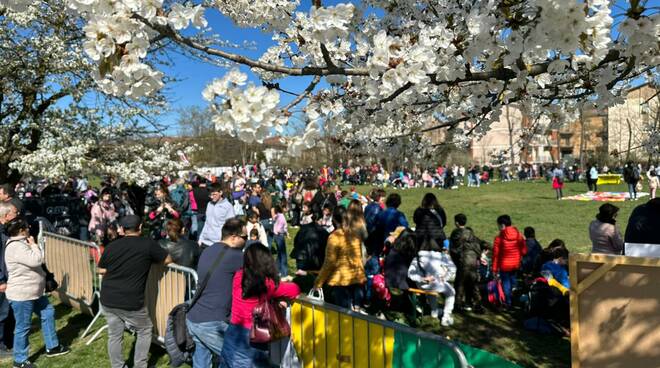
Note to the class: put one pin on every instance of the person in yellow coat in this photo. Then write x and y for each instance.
(342, 270)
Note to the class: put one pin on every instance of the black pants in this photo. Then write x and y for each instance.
(466, 285)
(347, 296)
(592, 184)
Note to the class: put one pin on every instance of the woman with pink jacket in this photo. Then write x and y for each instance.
(256, 282)
(102, 224)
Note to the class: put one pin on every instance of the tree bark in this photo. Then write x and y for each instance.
(510, 126)
(582, 140)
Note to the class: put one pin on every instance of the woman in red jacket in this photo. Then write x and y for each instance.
(508, 249)
(258, 279)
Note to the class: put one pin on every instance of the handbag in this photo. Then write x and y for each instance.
(178, 342)
(268, 322)
(51, 283)
(316, 294)
(495, 292)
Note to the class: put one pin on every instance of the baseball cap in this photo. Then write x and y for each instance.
(130, 221)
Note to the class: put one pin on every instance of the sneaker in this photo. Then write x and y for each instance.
(434, 313)
(447, 321)
(25, 364)
(56, 351)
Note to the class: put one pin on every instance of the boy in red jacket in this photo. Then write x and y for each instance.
(508, 249)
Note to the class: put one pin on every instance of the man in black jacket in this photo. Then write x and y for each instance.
(465, 250)
(309, 247)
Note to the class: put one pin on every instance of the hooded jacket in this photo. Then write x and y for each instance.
(430, 263)
(508, 249)
(465, 249)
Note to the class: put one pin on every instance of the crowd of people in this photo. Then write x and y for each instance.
(361, 250)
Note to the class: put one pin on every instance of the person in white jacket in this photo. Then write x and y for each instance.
(253, 223)
(26, 293)
(433, 270)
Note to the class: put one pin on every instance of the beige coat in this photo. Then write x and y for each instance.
(27, 280)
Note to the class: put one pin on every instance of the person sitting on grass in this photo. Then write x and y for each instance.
(556, 268)
(433, 270)
(605, 236)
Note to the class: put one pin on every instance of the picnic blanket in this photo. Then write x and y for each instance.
(604, 196)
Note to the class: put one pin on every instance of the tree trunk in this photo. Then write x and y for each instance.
(558, 145)
(582, 141)
(510, 125)
(629, 140)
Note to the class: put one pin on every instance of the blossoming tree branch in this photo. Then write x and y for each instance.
(389, 69)
(53, 123)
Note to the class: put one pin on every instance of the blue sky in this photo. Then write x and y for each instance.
(195, 75)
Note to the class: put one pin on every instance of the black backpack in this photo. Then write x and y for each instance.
(547, 302)
(178, 342)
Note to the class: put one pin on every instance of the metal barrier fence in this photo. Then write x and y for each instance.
(167, 286)
(325, 335)
(72, 262)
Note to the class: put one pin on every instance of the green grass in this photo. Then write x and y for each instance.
(529, 204)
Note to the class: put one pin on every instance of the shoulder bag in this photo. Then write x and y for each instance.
(268, 322)
(178, 342)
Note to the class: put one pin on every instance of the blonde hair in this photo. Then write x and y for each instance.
(267, 200)
(356, 223)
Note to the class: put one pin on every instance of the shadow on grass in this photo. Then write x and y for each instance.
(66, 335)
(155, 354)
(502, 333)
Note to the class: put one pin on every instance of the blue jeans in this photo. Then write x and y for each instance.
(280, 243)
(268, 226)
(238, 352)
(193, 225)
(23, 314)
(508, 283)
(632, 190)
(209, 338)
